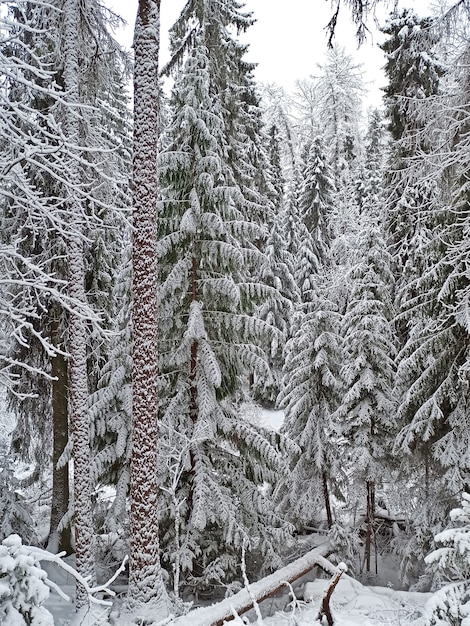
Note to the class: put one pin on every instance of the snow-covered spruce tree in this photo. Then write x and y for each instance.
(316, 196)
(210, 341)
(432, 375)
(98, 139)
(35, 222)
(308, 391)
(309, 396)
(375, 150)
(111, 405)
(78, 335)
(276, 173)
(276, 272)
(31, 228)
(277, 310)
(308, 204)
(450, 604)
(290, 215)
(413, 73)
(146, 588)
(276, 106)
(338, 90)
(366, 414)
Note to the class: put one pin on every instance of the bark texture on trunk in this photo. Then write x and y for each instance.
(78, 336)
(145, 581)
(59, 541)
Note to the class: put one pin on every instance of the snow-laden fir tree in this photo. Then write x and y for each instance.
(308, 205)
(291, 216)
(451, 559)
(433, 362)
(111, 406)
(210, 227)
(316, 195)
(370, 186)
(413, 73)
(276, 105)
(338, 90)
(83, 173)
(277, 310)
(365, 417)
(275, 271)
(312, 354)
(309, 396)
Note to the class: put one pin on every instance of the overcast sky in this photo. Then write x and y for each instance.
(288, 40)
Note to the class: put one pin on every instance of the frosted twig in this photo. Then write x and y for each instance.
(248, 588)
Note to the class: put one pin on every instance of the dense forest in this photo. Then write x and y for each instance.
(179, 263)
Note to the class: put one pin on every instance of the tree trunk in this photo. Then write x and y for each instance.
(370, 509)
(193, 404)
(325, 610)
(145, 581)
(326, 497)
(59, 541)
(78, 336)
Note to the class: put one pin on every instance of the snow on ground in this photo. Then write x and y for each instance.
(352, 603)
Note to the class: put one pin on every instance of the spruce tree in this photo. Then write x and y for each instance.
(366, 414)
(413, 74)
(277, 310)
(309, 396)
(84, 172)
(424, 224)
(211, 227)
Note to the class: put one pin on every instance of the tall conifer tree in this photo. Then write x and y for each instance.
(146, 588)
(211, 220)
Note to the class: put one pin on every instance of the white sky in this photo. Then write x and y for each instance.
(288, 40)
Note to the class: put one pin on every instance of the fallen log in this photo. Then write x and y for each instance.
(241, 602)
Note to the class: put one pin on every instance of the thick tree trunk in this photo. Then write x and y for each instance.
(145, 581)
(78, 336)
(59, 541)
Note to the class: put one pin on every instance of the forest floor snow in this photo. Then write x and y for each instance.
(352, 603)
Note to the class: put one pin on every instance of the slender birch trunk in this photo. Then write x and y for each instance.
(145, 582)
(78, 337)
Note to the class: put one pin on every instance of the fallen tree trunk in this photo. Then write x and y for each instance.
(242, 601)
